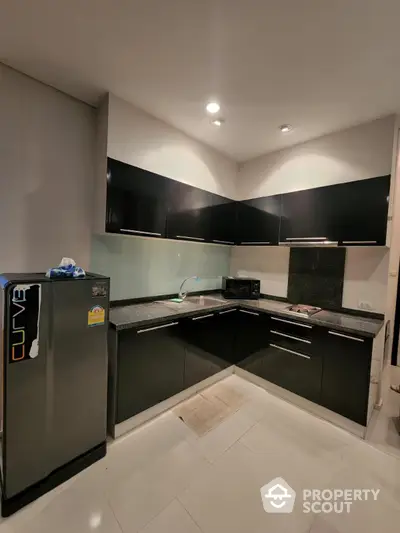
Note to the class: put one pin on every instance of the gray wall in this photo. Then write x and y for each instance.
(46, 175)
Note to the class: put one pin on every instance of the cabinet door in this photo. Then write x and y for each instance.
(150, 367)
(258, 221)
(251, 340)
(346, 373)
(362, 209)
(292, 368)
(307, 216)
(223, 220)
(189, 212)
(202, 357)
(136, 200)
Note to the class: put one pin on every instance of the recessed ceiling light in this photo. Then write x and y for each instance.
(285, 128)
(213, 107)
(218, 121)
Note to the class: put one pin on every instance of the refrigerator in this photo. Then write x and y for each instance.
(54, 381)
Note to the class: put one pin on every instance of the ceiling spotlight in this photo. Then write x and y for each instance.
(218, 122)
(285, 128)
(213, 107)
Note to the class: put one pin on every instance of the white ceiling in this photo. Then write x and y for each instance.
(320, 65)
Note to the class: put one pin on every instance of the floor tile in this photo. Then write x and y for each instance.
(140, 497)
(204, 412)
(173, 519)
(73, 510)
(144, 445)
(222, 437)
(227, 497)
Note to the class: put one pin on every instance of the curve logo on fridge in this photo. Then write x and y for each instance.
(25, 318)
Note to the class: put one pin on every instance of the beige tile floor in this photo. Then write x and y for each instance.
(168, 477)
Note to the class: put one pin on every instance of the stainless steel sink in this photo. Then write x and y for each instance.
(190, 301)
(202, 300)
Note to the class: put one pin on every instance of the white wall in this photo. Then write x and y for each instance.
(366, 278)
(46, 175)
(268, 264)
(139, 139)
(360, 152)
(365, 275)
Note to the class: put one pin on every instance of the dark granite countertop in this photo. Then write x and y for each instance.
(157, 312)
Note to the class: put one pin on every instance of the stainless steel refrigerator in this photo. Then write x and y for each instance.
(54, 381)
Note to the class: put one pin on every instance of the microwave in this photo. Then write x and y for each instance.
(246, 288)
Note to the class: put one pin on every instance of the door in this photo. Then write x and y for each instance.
(150, 367)
(308, 216)
(362, 210)
(223, 220)
(78, 368)
(346, 373)
(136, 200)
(189, 212)
(202, 348)
(293, 366)
(258, 221)
(252, 339)
(27, 397)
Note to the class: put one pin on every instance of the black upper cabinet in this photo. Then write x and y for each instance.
(223, 220)
(361, 209)
(140, 202)
(189, 212)
(347, 213)
(136, 200)
(258, 221)
(308, 216)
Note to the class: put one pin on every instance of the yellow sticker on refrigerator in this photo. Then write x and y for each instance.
(96, 316)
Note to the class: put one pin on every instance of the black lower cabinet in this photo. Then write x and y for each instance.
(151, 362)
(294, 370)
(327, 367)
(346, 373)
(204, 354)
(252, 340)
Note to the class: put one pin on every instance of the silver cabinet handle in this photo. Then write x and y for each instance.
(255, 242)
(190, 238)
(359, 242)
(290, 336)
(222, 242)
(204, 316)
(290, 351)
(305, 243)
(290, 322)
(158, 327)
(138, 231)
(249, 312)
(345, 336)
(306, 238)
(228, 311)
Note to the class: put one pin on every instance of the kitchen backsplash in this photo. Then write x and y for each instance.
(316, 276)
(365, 273)
(149, 267)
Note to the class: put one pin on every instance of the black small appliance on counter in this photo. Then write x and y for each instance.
(244, 288)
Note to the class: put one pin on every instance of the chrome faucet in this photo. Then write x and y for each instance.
(182, 295)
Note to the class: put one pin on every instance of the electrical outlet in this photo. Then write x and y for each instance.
(366, 306)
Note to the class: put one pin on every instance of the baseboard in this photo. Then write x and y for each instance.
(135, 421)
(302, 403)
